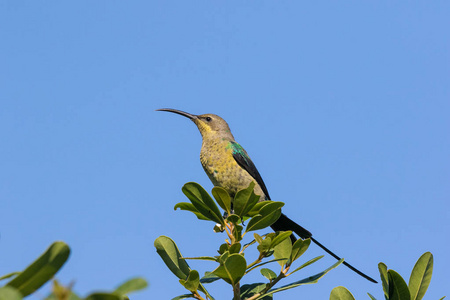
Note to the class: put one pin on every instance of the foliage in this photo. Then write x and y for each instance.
(232, 265)
(45, 267)
(394, 286)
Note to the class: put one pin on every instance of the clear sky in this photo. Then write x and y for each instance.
(343, 106)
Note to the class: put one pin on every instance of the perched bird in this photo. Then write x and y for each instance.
(228, 165)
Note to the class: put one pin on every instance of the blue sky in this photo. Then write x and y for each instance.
(343, 106)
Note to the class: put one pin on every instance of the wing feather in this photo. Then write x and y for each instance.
(242, 158)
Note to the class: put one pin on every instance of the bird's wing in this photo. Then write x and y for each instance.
(242, 158)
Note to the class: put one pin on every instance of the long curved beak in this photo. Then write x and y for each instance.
(176, 111)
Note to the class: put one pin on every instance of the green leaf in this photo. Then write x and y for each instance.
(9, 275)
(309, 280)
(190, 207)
(192, 282)
(266, 262)
(224, 247)
(384, 279)
(265, 245)
(268, 215)
(132, 285)
(298, 248)
(222, 198)
(280, 237)
(442, 297)
(268, 273)
(398, 290)
(171, 256)
(201, 258)
(237, 232)
(421, 276)
(42, 269)
(249, 290)
(245, 200)
(232, 269)
(209, 277)
(9, 293)
(341, 293)
(235, 248)
(283, 250)
(185, 296)
(202, 201)
(235, 219)
(103, 296)
(371, 297)
(255, 210)
(309, 262)
(258, 238)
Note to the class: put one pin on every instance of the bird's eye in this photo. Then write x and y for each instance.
(208, 119)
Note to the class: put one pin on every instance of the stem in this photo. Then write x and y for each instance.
(257, 261)
(197, 296)
(237, 291)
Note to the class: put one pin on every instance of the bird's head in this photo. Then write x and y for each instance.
(209, 125)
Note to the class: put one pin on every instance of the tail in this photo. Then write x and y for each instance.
(284, 224)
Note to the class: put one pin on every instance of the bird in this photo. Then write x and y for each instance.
(229, 166)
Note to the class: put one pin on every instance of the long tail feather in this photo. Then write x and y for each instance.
(284, 223)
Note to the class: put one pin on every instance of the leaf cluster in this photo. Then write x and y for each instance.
(231, 263)
(42, 270)
(394, 286)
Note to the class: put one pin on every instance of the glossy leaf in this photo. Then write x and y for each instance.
(255, 210)
(192, 282)
(209, 277)
(9, 293)
(235, 219)
(131, 285)
(268, 273)
(201, 258)
(245, 200)
(235, 248)
(341, 293)
(299, 248)
(171, 256)
(283, 251)
(398, 290)
(232, 269)
(309, 262)
(268, 215)
(309, 280)
(190, 207)
(382, 268)
(280, 237)
(249, 290)
(264, 245)
(371, 297)
(421, 276)
(42, 269)
(202, 201)
(224, 247)
(222, 198)
(258, 238)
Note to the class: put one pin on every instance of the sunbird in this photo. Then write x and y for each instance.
(228, 165)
